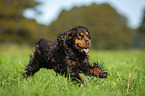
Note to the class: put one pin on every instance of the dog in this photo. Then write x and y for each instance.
(66, 56)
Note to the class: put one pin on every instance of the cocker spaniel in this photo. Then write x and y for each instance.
(67, 56)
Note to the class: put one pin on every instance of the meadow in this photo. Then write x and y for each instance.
(126, 70)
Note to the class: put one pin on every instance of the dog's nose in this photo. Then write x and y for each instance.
(88, 41)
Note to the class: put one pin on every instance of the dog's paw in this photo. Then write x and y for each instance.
(103, 75)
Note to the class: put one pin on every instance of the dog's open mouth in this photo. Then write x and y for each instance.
(82, 48)
(82, 45)
(85, 50)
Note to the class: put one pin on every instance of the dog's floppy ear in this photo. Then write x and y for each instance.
(65, 39)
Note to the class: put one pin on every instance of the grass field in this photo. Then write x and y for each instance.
(126, 75)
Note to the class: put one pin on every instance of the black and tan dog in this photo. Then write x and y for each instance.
(67, 55)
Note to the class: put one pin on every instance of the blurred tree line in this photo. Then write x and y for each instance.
(14, 27)
(140, 36)
(108, 28)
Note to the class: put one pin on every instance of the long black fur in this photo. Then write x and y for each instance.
(60, 56)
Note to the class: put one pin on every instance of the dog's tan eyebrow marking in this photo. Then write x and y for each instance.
(82, 33)
(87, 33)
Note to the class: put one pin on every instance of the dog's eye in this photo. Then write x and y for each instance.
(82, 34)
(87, 33)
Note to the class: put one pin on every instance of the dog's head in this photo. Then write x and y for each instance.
(82, 41)
(76, 38)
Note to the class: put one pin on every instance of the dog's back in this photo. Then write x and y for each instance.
(44, 45)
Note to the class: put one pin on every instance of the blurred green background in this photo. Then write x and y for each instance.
(112, 38)
(109, 29)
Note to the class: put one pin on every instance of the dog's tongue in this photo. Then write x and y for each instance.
(86, 50)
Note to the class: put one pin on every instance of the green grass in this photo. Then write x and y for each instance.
(126, 75)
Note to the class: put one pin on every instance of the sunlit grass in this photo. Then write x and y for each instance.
(126, 75)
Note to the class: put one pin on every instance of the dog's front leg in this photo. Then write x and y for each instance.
(95, 70)
(73, 71)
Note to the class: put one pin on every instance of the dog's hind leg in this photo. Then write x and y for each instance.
(34, 65)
